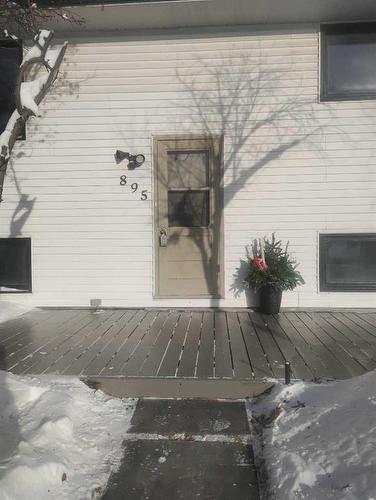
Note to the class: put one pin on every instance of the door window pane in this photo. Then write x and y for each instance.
(188, 208)
(348, 61)
(348, 262)
(188, 169)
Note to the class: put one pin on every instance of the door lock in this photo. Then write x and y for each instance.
(163, 237)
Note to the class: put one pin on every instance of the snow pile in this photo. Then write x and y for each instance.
(6, 134)
(58, 438)
(36, 50)
(320, 440)
(29, 92)
(9, 310)
(53, 53)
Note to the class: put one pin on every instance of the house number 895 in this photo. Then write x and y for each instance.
(134, 187)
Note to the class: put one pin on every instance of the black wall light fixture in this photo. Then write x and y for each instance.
(134, 161)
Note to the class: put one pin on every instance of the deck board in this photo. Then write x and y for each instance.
(92, 345)
(223, 362)
(291, 330)
(205, 359)
(116, 363)
(139, 355)
(325, 347)
(334, 343)
(315, 354)
(363, 326)
(201, 344)
(45, 359)
(352, 334)
(259, 362)
(187, 364)
(371, 319)
(72, 346)
(271, 348)
(42, 337)
(242, 367)
(135, 338)
(290, 352)
(170, 363)
(37, 333)
(46, 353)
(113, 342)
(362, 350)
(10, 330)
(152, 363)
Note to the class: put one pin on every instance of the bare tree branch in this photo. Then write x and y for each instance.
(29, 94)
(21, 17)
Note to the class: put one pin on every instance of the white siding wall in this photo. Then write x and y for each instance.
(92, 238)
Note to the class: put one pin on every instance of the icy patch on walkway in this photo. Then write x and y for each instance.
(58, 438)
(10, 310)
(320, 439)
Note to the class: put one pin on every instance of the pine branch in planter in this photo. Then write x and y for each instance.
(269, 264)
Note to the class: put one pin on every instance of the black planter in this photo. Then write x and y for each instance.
(270, 300)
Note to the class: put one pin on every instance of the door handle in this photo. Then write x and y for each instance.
(163, 237)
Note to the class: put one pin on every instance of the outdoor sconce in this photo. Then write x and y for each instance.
(133, 160)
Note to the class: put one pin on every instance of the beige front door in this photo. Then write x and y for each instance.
(188, 217)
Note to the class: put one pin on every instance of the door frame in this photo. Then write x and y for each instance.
(218, 141)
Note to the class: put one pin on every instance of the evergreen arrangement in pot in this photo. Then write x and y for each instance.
(271, 271)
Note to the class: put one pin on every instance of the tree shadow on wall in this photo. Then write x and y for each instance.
(23, 209)
(259, 118)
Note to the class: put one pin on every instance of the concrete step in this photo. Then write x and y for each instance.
(164, 387)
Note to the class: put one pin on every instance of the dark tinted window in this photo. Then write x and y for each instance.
(10, 60)
(348, 61)
(15, 265)
(347, 262)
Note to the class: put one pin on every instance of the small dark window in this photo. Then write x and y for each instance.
(10, 60)
(15, 265)
(347, 262)
(348, 61)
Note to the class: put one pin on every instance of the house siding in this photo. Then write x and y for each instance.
(309, 168)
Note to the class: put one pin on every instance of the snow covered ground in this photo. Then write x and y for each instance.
(320, 440)
(58, 438)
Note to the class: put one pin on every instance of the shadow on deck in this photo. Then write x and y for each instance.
(189, 353)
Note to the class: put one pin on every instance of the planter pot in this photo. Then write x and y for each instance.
(251, 297)
(270, 300)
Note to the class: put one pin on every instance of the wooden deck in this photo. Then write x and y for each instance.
(177, 347)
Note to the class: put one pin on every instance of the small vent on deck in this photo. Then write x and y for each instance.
(95, 302)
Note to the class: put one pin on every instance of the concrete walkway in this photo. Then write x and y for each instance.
(186, 449)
